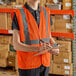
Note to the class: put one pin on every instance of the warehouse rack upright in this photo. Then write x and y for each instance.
(74, 41)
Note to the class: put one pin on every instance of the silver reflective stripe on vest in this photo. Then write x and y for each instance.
(26, 30)
(33, 42)
(46, 17)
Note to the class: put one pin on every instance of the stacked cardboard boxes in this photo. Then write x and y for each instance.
(62, 24)
(67, 4)
(63, 62)
(5, 40)
(5, 19)
(60, 4)
(53, 4)
(4, 49)
(7, 57)
(62, 69)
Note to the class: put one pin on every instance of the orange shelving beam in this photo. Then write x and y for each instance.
(65, 12)
(62, 12)
(6, 10)
(2, 31)
(69, 35)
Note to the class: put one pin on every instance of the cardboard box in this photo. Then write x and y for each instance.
(53, 26)
(50, 2)
(25, 1)
(62, 69)
(66, 45)
(63, 57)
(19, 2)
(3, 17)
(3, 20)
(63, 24)
(5, 39)
(4, 48)
(9, 21)
(67, 4)
(51, 67)
(54, 6)
(3, 62)
(63, 18)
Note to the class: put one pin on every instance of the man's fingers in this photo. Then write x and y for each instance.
(55, 51)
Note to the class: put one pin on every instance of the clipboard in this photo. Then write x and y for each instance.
(50, 48)
(58, 46)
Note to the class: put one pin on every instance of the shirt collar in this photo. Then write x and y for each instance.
(30, 9)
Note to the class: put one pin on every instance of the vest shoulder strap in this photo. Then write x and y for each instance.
(46, 17)
(25, 24)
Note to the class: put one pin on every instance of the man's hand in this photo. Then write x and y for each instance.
(44, 46)
(43, 49)
(54, 51)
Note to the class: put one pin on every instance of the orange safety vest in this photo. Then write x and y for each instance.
(31, 35)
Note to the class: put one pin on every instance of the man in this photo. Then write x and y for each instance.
(32, 39)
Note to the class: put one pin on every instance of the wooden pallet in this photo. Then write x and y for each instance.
(7, 71)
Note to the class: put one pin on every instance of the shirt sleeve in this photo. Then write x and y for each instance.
(51, 22)
(15, 24)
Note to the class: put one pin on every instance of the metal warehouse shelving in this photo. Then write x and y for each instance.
(74, 41)
(54, 34)
(62, 12)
